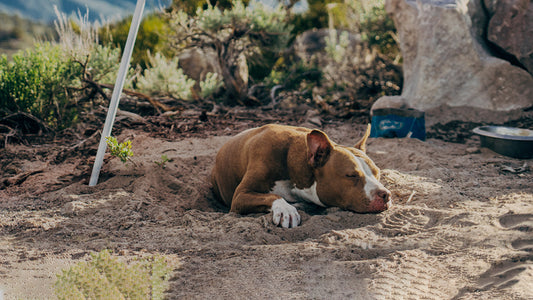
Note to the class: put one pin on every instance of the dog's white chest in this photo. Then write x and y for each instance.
(289, 192)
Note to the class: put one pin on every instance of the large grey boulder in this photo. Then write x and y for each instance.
(447, 62)
(197, 62)
(510, 28)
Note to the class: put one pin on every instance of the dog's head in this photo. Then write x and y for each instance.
(345, 176)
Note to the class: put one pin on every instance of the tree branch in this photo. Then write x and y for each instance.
(157, 105)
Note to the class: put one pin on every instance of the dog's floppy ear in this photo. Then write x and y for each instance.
(361, 145)
(318, 148)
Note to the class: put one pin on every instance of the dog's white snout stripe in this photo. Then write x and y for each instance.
(284, 214)
(371, 182)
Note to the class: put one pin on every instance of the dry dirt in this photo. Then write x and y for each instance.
(461, 225)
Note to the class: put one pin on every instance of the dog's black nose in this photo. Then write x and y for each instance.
(383, 195)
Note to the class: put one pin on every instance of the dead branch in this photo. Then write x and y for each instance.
(9, 132)
(61, 155)
(98, 88)
(156, 104)
(25, 123)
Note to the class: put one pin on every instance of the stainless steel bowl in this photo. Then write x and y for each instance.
(508, 141)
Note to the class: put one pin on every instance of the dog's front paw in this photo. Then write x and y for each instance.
(284, 214)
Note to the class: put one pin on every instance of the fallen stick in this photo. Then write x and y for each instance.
(411, 197)
(158, 105)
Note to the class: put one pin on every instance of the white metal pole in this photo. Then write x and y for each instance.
(119, 84)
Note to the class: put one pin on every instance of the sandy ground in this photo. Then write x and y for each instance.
(461, 226)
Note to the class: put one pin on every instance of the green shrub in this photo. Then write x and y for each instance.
(37, 81)
(378, 29)
(292, 76)
(315, 17)
(190, 6)
(336, 46)
(234, 33)
(363, 16)
(210, 85)
(103, 65)
(164, 77)
(105, 277)
(76, 37)
(152, 35)
(80, 40)
(46, 81)
(370, 19)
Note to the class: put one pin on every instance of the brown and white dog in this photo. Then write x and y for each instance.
(260, 169)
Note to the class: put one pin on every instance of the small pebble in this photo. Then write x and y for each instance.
(472, 150)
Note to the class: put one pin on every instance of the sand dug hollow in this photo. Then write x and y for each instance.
(466, 233)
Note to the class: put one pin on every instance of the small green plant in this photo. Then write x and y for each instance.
(163, 161)
(105, 277)
(121, 150)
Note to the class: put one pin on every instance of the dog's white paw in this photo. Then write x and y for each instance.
(284, 214)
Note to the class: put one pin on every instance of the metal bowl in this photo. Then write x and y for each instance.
(508, 141)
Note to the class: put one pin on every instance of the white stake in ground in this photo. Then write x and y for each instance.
(119, 84)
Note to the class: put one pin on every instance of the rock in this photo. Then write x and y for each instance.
(396, 102)
(472, 150)
(446, 62)
(197, 62)
(312, 119)
(511, 28)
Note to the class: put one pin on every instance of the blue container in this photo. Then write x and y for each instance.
(398, 123)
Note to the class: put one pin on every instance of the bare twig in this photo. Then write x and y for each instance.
(158, 105)
(10, 133)
(98, 87)
(411, 197)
